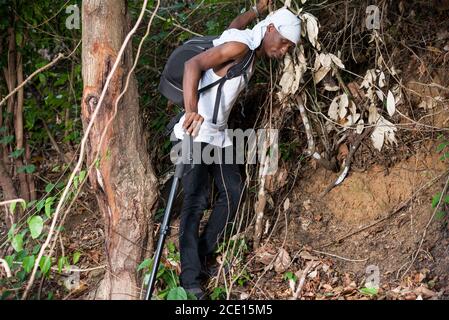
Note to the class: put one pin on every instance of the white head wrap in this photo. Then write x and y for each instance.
(285, 22)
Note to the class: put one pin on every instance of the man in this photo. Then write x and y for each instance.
(271, 38)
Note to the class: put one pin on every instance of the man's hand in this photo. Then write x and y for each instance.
(262, 6)
(192, 123)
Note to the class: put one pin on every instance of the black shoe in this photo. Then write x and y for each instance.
(210, 269)
(197, 292)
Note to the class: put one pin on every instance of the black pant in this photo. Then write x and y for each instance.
(195, 183)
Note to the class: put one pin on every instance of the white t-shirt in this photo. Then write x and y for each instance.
(216, 134)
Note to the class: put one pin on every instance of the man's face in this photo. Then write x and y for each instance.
(274, 45)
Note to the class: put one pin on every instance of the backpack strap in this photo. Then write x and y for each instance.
(233, 72)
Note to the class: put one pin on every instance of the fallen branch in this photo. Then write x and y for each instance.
(339, 257)
(297, 293)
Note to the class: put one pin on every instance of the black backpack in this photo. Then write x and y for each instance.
(170, 84)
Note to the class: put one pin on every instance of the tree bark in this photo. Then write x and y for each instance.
(123, 180)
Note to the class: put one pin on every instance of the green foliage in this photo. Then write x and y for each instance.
(290, 276)
(219, 293)
(76, 257)
(45, 264)
(36, 225)
(369, 291)
(28, 263)
(439, 198)
(17, 242)
(177, 293)
(167, 278)
(287, 150)
(443, 148)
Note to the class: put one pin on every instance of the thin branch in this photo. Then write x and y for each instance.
(6, 267)
(49, 65)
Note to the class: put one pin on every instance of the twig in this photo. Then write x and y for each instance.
(55, 144)
(58, 57)
(5, 203)
(175, 24)
(339, 257)
(82, 151)
(68, 270)
(6, 267)
(297, 293)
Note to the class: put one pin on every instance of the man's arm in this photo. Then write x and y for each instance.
(193, 69)
(243, 20)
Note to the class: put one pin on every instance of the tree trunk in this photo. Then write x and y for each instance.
(123, 179)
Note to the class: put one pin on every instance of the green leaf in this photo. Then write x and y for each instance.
(440, 215)
(11, 232)
(62, 261)
(82, 175)
(36, 248)
(36, 224)
(48, 204)
(7, 139)
(28, 263)
(441, 147)
(31, 203)
(446, 199)
(445, 156)
(10, 261)
(30, 168)
(19, 39)
(76, 257)
(21, 275)
(146, 264)
(177, 293)
(290, 276)
(12, 207)
(17, 242)
(27, 169)
(45, 264)
(42, 79)
(436, 199)
(40, 205)
(75, 182)
(369, 291)
(218, 293)
(17, 153)
(49, 187)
